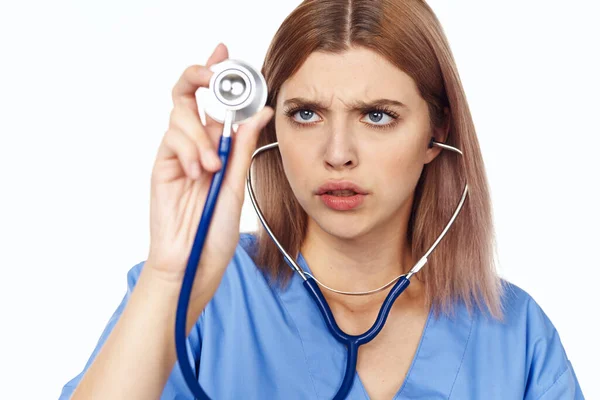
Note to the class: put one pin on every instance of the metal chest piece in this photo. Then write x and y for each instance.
(235, 86)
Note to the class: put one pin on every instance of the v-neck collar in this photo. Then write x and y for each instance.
(433, 368)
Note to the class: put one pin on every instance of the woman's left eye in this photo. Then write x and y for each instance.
(378, 116)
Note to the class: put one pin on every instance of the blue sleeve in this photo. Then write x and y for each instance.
(550, 375)
(175, 385)
(565, 387)
(132, 277)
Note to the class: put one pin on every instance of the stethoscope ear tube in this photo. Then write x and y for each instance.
(311, 284)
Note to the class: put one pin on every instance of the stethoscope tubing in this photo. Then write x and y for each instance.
(352, 342)
(190, 271)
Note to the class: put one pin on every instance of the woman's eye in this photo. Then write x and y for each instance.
(304, 115)
(376, 118)
(379, 118)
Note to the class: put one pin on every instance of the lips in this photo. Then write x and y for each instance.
(341, 195)
(340, 188)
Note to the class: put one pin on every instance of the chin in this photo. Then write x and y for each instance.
(343, 226)
(345, 234)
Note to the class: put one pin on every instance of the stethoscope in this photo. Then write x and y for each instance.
(236, 92)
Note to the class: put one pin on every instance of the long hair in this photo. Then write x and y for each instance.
(409, 35)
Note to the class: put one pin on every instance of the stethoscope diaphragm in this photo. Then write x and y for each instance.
(235, 86)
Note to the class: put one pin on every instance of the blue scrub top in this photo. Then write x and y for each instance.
(260, 342)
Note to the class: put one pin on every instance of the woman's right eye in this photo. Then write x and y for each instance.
(304, 116)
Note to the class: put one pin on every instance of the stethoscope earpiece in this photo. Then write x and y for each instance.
(237, 87)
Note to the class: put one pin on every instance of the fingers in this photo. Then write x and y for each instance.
(245, 144)
(184, 91)
(196, 76)
(189, 123)
(177, 144)
(190, 148)
(185, 118)
(220, 53)
(188, 140)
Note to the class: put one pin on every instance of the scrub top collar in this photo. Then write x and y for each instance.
(434, 367)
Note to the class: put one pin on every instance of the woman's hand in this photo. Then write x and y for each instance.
(186, 161)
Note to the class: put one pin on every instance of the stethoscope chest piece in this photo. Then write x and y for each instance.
(235, 86)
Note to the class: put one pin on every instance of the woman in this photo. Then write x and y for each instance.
(357, 92)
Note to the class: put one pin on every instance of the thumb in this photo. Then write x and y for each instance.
(244, 144)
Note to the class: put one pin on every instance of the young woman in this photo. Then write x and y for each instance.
(356, 192)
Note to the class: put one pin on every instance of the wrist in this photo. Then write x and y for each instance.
(161, 277)
(167, 285)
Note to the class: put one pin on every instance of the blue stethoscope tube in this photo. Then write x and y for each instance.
(190, 272)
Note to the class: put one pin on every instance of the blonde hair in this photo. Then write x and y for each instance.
(409, 35)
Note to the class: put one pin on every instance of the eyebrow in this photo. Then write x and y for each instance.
(358, 105)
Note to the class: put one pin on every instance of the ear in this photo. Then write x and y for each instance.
(439, 134)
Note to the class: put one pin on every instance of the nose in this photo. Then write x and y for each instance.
(340, 151)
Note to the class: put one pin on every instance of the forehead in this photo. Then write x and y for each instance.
(358, 73)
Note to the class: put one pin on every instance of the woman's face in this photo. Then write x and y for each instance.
(353, 118)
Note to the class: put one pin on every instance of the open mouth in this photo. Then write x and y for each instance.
(342, 200)
(341, 193)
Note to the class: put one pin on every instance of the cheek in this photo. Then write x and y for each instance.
(397, 174)
(295, 164)
(285, 150)
(295, 157)
(291, 162)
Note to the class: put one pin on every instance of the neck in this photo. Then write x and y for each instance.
(360, 263)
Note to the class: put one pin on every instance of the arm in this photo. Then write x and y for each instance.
(137, 351)
(138, 356)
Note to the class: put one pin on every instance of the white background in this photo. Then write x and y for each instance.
(85, 99)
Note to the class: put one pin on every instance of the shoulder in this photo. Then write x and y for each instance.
(522, 311)
(524, 321)
(523, 324)
(531, 341)
(524, 315)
